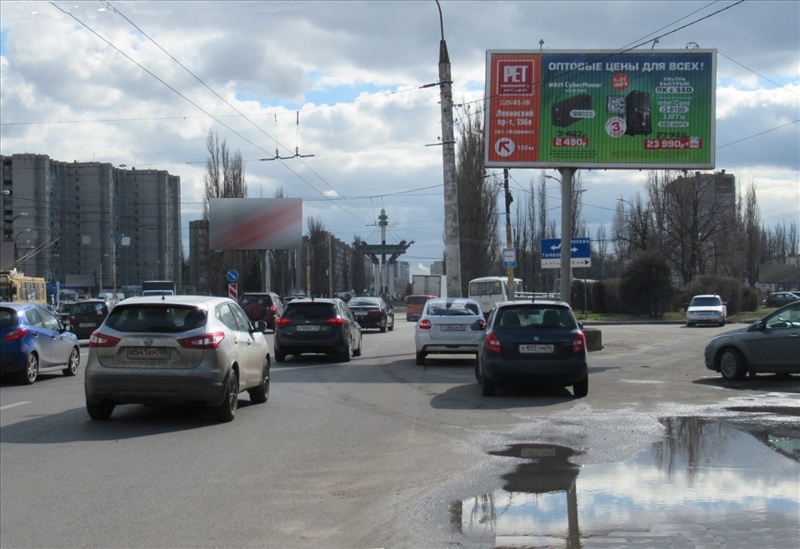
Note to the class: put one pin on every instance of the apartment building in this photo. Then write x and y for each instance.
(71, 221)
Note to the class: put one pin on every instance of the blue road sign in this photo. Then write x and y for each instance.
(233, 275)
(580, 252)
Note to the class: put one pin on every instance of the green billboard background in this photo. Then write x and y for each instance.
(653, 108)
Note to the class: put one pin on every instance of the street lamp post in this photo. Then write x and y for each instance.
(566, 229)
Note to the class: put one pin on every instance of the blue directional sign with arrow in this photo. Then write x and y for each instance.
(580, 253)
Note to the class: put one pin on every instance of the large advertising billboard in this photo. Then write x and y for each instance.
(255, 223)
(600, 109)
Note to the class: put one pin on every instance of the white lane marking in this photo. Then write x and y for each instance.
(6, 407)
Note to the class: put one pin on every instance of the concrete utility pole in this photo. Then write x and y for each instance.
(509, 241)
(566, 232)
(452, 253)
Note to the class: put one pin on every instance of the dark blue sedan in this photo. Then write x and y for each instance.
(533, 342)
(33, 340)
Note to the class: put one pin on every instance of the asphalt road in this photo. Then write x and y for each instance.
(370, 453)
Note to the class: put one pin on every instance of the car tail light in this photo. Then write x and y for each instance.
(376, 312)
(204, 341)
(283, 321)
(424, 324)
(99, 339)
(491, 343)
(336, 321)
(15, 334)
(579, 344)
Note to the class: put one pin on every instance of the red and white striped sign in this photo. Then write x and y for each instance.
(233, 291)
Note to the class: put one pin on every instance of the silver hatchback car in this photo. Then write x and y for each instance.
(176, 349)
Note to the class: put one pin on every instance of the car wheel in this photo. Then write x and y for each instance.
(100, 410)
(260, 394)
(722, 323)
(227, 411)
(732, 365)
(488, 387)
(391, 326)
(581, 389)
(280, 356)
(420, 359)
(357, 352)
(348, 352)
(383, 329)
(31, 371)
(689, 324)
(73, 362)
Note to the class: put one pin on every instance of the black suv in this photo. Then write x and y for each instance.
(87, 316)
(317, 326)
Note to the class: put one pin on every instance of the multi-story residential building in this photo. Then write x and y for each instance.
(68, 219)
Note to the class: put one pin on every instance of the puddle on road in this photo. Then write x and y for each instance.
(708, 484)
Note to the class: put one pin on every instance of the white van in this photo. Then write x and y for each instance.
(489, 290)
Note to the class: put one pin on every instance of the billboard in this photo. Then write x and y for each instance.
(255, 223)
(600, 109)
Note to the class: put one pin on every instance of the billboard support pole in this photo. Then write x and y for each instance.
(566, 231)
(509, 242)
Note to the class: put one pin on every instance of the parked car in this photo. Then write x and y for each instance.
(34, 340)
(769, 345)
(323, 325)
(779, 299)
(87, 315)
(706, 309)
(372, 312)
(177, 349)
(414, 305)
(533, 342)
(452, 325)
(262, 306)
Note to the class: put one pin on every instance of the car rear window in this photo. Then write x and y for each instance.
(364, 302)
(454, 308)
(535, 317)
(416, 299)
(8, 318)
(705, 302)
(88, 308)
(150, 318)
(264, 300)
(310, 310)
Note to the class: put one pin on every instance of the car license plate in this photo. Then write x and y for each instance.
(311, 328)
(452, 327)
(535, 348)
(149, 353)
(86, 325)
(361, 313)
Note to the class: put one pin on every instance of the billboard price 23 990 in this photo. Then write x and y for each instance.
(600, 109)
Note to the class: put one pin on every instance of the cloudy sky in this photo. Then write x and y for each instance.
(142, 83)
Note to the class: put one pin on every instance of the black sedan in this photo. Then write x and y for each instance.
(769, 345)
(533, 342)
(372, 312)
(317, 326)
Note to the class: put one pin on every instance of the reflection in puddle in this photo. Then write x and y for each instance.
(709, 484)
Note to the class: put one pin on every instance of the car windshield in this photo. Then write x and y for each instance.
(310, 310)
(705, 302)
(452, 308)
(536, 317)
(155, 318)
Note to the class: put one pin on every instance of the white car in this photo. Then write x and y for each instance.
(452, 325)
(706, 309)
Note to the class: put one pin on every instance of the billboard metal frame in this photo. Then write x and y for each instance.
(600, 109)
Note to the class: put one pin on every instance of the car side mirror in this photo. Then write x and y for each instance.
(66, 327)
(260, 326)
(757, 326)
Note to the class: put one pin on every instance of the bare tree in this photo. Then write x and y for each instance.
(317, 256)
(477, 205)
(225, 178)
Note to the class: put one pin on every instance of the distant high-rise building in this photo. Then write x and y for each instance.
(68, 219)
